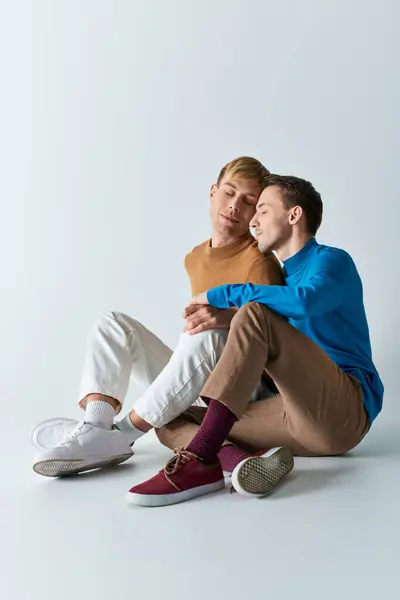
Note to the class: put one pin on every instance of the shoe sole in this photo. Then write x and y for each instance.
(258, 476)
(168, 499)
(64, 467)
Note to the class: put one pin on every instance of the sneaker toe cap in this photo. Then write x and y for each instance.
(157, 485)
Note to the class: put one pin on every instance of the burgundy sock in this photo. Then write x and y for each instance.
(230, 456)
(213, 431)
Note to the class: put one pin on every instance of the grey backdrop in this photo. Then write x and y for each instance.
(115, 119)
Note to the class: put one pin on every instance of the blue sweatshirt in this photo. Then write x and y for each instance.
(323, 298)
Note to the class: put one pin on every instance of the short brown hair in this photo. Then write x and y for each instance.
(245, 167)
(299, 192)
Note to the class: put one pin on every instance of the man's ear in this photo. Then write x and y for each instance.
(295, 215)
(213, 189)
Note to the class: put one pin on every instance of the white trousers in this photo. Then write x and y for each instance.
(121, 349)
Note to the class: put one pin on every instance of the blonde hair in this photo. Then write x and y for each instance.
(245, 167)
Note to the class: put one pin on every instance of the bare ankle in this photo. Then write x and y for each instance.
(139, 423)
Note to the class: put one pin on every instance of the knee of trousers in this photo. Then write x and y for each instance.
(209, 338)
(115, 317)
(250, 313)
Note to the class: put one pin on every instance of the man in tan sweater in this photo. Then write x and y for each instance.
(121, 348)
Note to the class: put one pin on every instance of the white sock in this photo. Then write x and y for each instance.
(129, 428)
(100, 414)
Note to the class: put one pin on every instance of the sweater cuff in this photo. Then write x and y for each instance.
(216, 297)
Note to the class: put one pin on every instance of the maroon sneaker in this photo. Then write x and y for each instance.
(258, 475)
(184, 477)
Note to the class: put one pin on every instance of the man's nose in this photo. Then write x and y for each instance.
(254, 221)
(234, 204)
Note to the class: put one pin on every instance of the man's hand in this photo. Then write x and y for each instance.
(200, 299)
(202, 318)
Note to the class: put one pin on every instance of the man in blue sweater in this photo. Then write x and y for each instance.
(311, 336)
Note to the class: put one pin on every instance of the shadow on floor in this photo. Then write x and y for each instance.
(308, 481)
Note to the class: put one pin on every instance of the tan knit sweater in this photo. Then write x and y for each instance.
(237, 262)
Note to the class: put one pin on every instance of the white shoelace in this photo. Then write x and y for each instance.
(70, 438)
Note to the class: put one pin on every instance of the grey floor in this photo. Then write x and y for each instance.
(332, 530)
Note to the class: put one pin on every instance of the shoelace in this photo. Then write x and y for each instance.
(181, 458)
(71, 436)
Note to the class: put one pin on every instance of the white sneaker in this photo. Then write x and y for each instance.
(257, 476)
(85, 448)
(49, 433)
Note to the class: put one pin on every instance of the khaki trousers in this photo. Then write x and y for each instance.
(318, 411)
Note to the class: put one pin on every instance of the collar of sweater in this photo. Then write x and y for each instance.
(300, 259)
(234, 247)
